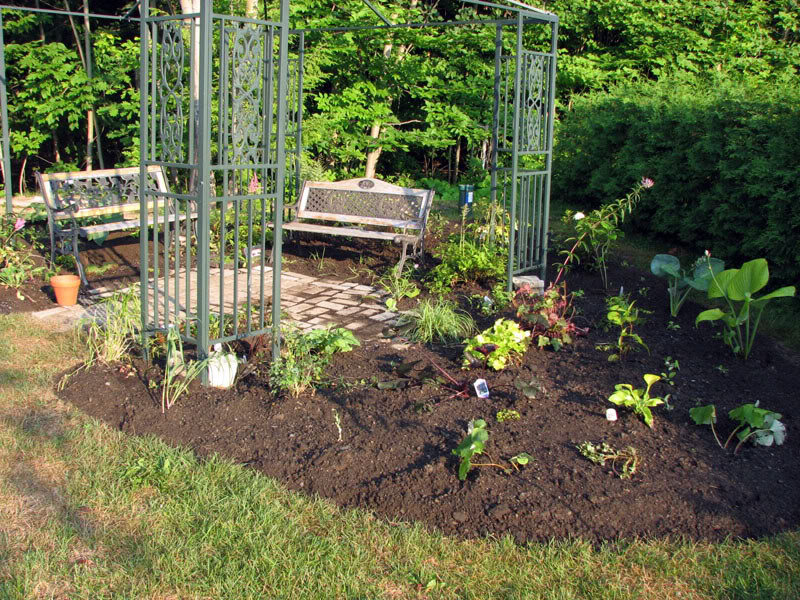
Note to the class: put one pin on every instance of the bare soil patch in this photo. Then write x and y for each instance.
(395, 455)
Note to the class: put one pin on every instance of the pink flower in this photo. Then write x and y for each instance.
(708, 253)
(254, 184)
(19, 224)
(647, 183)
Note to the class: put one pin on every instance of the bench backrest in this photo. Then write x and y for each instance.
(365, 200)
(101, 192)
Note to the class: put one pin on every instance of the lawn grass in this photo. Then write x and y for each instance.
(87, 512)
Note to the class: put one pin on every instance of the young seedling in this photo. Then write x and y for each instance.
(600, 453)
(623, 313)
(761, 425)
(638, 400)
(474, 443)
(507, 414)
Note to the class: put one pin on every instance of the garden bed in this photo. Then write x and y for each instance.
(395, 458)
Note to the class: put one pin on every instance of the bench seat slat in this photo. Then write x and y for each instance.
(88, 230)
(349, 231)
(403, 224)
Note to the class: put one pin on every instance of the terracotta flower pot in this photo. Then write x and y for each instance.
(66, 288)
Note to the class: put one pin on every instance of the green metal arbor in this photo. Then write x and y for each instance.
(222, 112)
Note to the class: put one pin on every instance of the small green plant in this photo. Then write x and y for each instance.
(16, 263)
(507, 414)
(304, 357)
(623, 313)
(738, 286)
(679, 284)
(398, 286)
(178, 374)
(673, 326)
(602, 452)
(760, 425)
(110, 337)
(598, 231)
(319, 260)
(672, 367)
(638, 400)
(99, 270)
(466, 259)
(549, 316)
(436, 320)
(496, 346)
(475, 443)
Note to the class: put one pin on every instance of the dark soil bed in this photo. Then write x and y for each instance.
(395, 455)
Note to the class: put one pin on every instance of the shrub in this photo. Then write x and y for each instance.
(722, 150)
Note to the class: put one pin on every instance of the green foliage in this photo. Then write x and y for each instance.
(16, 262)
(399, 286)
(721, 148)
(737, 286)
(178, 374)
(466, 260)
(597, 231)
(548, 315)
(436, 320)
(472, 444)
(638, 400)
(304, 357)
(496, 346)
(507, 414)
(623, 313)
(600, 453)
(111, 339)
(238, 219)
(680, 284)
(762, 426)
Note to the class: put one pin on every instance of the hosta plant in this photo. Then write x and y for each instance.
(679, 283)
(638, 400)
(760, 425)
(742, 313)
(497, 346)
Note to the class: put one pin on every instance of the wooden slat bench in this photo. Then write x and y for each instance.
(110, 194)
(367, 207)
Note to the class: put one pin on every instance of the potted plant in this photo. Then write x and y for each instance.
(66, 288)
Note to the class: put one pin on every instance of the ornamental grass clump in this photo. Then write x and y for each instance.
(436, 320)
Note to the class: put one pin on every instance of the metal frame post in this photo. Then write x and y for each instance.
(549, 157)
(144, 141)
(280, 149)
(203, 168)
(4, 103)
(515, 154)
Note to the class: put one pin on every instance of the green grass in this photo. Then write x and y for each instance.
(87, 512)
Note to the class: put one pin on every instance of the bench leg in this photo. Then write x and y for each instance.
(78, 263)
(402, 262)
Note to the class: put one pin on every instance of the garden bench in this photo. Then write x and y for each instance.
(110, 195)
(365, 208)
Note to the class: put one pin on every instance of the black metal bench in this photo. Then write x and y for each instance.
(111, 195)
(367, 208)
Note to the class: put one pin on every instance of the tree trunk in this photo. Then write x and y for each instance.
(375, 130)
(458, 159)
(373, 155)
(251, 9)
